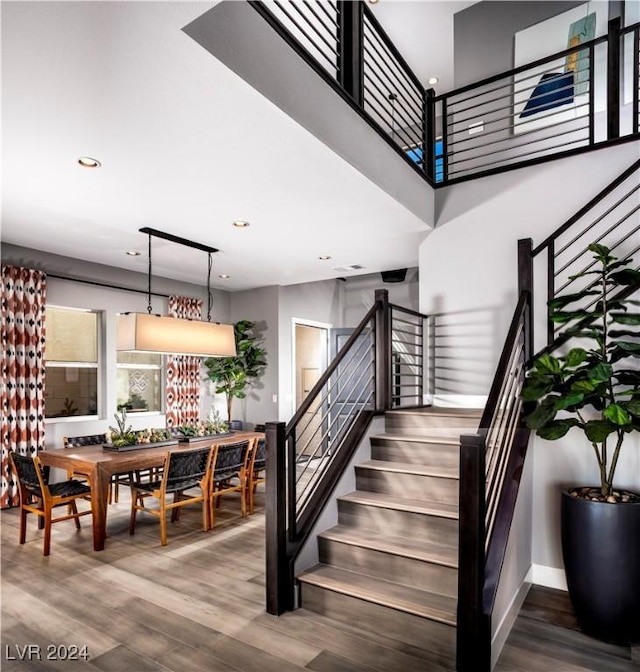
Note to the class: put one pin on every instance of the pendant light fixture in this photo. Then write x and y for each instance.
(145, 332)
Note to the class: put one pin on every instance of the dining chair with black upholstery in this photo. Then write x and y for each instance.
(90, 440)
(182, 471)
(256, 470)
(230, 470)
(33, 485)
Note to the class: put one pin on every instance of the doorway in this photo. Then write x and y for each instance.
(311, 358)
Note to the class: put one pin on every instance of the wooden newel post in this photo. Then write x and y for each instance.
(278, 574)
(473, 645)
(613, 79)
(351, 49)
(525, 284)
(383, 351)
(429, 134)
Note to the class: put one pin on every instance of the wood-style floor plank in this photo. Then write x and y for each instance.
(197, 605)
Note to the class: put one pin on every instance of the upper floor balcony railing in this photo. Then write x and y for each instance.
(571, 101)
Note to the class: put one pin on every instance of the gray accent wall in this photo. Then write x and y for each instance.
(484, 34)
(261, 307)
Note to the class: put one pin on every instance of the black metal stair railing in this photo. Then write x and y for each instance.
(611, 218)
(345, 44)
(409, 362)
(578, 99)
(380, 367)
(565, 103)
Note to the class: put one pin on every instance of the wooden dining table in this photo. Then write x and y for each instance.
(100, 465)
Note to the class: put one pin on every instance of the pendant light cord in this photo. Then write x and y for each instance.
(149, 280)
(209, 296)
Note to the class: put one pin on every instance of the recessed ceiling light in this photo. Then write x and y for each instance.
(241, 224)
(324, 257)
(433, 80)
(224, 276)
(88, 162)
(133, 253)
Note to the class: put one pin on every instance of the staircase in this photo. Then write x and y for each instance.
(391, 564)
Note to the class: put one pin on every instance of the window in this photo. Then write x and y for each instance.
(139, 382)
(71, 361)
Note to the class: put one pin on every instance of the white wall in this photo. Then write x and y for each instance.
(468, 273)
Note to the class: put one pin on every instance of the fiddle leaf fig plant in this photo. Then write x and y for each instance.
(595, 386)
(233, 376)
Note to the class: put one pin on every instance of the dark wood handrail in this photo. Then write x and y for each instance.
(408, 311)
(331, 369)
(503, 364)
(586, 208)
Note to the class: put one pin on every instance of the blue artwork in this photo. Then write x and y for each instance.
(553, 90)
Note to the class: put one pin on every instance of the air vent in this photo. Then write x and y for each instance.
(350, 267)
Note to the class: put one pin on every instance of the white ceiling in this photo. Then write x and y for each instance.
(186, 147)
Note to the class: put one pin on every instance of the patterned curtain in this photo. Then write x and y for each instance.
(23, 374)
(183, 372)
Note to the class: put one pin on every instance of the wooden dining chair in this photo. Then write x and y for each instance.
(182, 471)
(95, 439)
(230, 474)
(33, 484)
(256, 470)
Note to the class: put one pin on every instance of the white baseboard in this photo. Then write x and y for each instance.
(504, 627)
(551, 577)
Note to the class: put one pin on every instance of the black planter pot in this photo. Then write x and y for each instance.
(601, 550)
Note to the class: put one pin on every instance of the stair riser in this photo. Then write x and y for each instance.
(422, 425)
(414, 452)
(437, 638)
(397, 568)
(393, 521)
(413, 486)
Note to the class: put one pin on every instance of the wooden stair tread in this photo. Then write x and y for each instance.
(402, 504)
(392, 595)
(440, 411)
(415, 548)
(408, 468)
(444, 439)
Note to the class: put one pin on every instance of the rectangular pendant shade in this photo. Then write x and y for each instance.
(140, 332)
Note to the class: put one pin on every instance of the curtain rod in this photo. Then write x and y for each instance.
(105, 284)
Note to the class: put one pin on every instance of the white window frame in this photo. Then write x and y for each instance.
(80, 365)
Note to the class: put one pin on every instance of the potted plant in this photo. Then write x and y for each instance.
(595, 388)
(233, 376)
(122, 435)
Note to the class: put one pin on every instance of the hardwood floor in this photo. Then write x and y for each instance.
(197, 605)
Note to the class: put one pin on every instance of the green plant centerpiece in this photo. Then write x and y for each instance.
(122, 435)
(595, 388)
(214, 424)
(233, 376)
